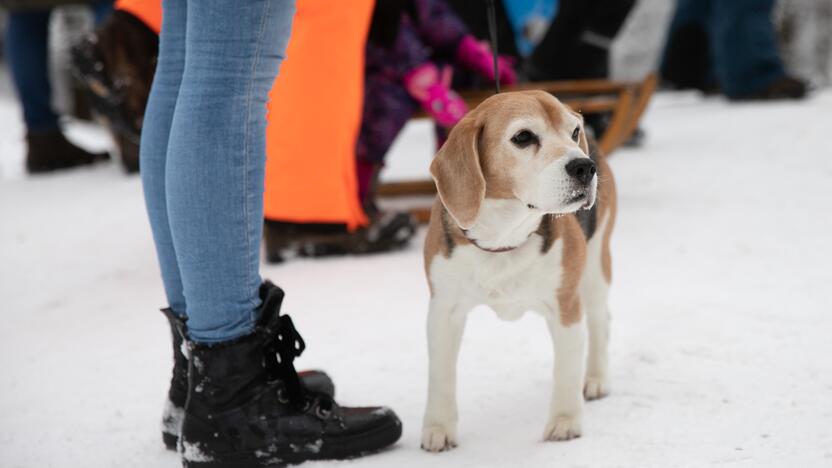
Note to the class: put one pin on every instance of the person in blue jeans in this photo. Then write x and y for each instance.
(27, 50)
(728, 45)
(203, 159)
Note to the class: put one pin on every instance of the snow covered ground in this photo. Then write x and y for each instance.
(722, 330)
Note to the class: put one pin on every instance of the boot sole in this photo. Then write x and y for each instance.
(41, 168)
(317, 381)
(170, 440)
(345, 448)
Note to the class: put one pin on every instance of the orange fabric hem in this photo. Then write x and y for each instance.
(148, 11)
(315, 116)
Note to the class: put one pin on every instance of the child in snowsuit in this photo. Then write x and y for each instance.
(414, 46)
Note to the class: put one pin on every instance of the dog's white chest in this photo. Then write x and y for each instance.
(511, 283)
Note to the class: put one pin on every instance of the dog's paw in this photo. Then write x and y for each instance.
(596, 387)
(562, 427)
(436, 438)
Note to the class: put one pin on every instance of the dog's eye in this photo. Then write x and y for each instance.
(576, 133)
(524, 138)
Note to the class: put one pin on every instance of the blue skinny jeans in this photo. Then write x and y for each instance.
(203, 156)
(27, 49)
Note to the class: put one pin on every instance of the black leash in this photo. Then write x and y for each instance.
(492, 31)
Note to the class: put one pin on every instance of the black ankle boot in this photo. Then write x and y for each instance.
(247, 408)
(50, 151)
(174, 412)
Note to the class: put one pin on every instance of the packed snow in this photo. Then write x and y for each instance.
(721, 334)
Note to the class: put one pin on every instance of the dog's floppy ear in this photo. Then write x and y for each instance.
(457, 172)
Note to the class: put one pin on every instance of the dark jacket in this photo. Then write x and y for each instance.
(15, 5)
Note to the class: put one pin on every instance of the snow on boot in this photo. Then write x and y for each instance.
(174, 412)
(247, 408)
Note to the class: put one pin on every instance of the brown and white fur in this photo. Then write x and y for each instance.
(513, 230)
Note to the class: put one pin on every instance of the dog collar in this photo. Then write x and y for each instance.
(498, 250)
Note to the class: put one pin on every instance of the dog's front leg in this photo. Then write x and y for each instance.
(445, 327)
(567, 396)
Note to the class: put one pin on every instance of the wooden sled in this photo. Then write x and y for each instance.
(624, 102)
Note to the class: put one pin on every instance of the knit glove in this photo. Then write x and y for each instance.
(476, 55)
(432, 89)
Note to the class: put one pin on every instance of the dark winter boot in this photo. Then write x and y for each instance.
(385, 233)
(247, 408)
(50, 151)
(174, 411)
(785, 87)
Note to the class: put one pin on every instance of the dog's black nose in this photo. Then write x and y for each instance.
(582, 169)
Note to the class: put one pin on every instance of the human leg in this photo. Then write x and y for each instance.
(745, 48)
(387, 108)
(687, 60)
(27, 49)
(215, 160)
(246, 405)
(154, 145)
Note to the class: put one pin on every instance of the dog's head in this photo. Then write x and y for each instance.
(526, 146)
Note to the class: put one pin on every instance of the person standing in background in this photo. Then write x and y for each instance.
(27, 51)
(730, 46)
(415, 50)
(202, 157)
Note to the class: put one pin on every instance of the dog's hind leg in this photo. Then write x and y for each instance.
(445, 328)
(567, 399)
(594, 292)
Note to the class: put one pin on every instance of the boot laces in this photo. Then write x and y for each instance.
(282, 346)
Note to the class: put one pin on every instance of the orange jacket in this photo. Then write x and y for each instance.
(314, 113)
(149, 11)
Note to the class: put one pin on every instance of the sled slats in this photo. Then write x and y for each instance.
(407, 188)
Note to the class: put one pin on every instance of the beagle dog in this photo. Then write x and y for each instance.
(522, 223)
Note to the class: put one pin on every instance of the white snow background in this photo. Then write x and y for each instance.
(721, 334)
